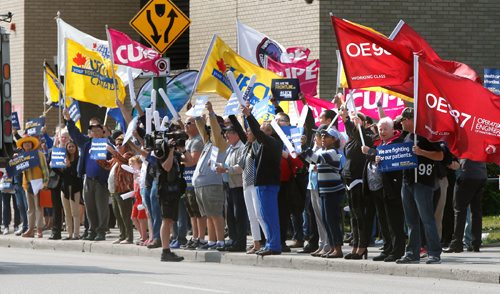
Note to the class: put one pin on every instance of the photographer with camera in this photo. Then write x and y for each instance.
(170, 189)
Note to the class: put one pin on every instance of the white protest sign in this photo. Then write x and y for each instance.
(36, 185)
(130, 130)
(156, 118)
(127, 195)
(149, 117)
(232, 106)
(170, 107)
(153, 100)
(249, 88)
(234, 85)
(213, 157)
(283, 138)
(197, 109)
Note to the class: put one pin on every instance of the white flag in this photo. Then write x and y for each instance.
(64, 30)
(254, 46)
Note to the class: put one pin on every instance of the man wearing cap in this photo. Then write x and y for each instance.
(418, 195)
(35, 212)
(95, 191)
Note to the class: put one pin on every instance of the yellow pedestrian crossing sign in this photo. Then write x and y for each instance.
(160, 23)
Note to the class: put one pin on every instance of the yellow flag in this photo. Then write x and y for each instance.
(220, 58)
(89, 77)
(51, 85)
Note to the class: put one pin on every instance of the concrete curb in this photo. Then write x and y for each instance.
(289, 260)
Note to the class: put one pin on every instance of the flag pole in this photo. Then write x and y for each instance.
(113, 72)
(415, 104)
(203, 65)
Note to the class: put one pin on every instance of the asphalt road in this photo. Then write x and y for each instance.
(43, 271)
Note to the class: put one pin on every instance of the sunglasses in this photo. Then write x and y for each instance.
(188, 123)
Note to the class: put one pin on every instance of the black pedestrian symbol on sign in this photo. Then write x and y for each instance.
(160, 11)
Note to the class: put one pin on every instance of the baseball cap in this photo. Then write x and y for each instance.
(331, 133)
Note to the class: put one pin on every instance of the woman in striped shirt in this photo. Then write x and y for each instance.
(331, 188)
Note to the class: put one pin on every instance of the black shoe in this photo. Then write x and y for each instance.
(193, 245)
(55, 236)
(90, 237)
(268, 252)
(363, 255)
(67, 238)
(308, 249)
(222, 248)
(454, 249)
(170, 256)
(380, 257)
(475, 248)
(349, 255)
(391, 258)
(285, 248)
(100, 237)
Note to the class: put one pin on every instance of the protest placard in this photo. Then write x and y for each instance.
(197, 109)
(492, 80)
(22, 162)
(260, 108)
(58, 158)
(34, 126)
(285, 89)
(296, 138)
(396, 157)
(74, 111)
(232, 106)
(15, 121)
(98, 149)
(213, 157)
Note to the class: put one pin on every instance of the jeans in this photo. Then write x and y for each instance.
(418, 205)
(268, 198)
(237, 217)
(6, 210)
(150, 198)
(331, 217)
(323, 242)
(468, 229)
(22, 206)
(180, 227)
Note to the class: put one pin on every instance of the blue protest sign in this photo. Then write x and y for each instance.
(33, 127)
(74, 111)
(492, 80)
(15, 121)
(22, 162)
(396, 157)
(260, 108)
(98, 149)
(58, 158)
(7, 185)
(296, 136)
(232, 106)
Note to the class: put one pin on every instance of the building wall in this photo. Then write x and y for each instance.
(290, 22)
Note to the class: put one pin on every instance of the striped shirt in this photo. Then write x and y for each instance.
(328, 165)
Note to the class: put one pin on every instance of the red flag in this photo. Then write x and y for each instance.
(131, 53)
(408, 37)
(460, 112)
(370, 59)
(297, 53)
(305, 71)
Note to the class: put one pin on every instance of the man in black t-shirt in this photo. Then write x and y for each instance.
(418, 195)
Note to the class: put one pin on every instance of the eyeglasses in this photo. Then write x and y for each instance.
(188, 123)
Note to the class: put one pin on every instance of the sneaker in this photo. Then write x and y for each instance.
(423, 253)
(433, 260)
(19, 232)
(5, 231)
(189, 243)
(206, 246)
(170, 256)
(175, 244)
(194, 244)
(407, 260)
(117, 241)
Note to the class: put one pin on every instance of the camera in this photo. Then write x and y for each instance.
(161, 141)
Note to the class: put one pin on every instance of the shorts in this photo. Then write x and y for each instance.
(190, 202)
(210, 200)
(138, 214)
(169, 207)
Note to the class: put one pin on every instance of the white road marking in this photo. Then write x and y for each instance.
(187, 287)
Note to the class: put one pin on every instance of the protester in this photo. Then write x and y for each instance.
(388, 203)
(352, 174)
(469, 189)
(330, 188)
(71, 191)
(139, 217)
(22, 203)
(95, 191)
(55, 181)
(31, 185)
(418, 196)
(6, 211)
(267, 180)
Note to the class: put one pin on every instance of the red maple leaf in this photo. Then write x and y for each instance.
(79, 59)
(221, 65)
(94, 45)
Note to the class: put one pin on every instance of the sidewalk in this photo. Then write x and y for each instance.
(481, 267)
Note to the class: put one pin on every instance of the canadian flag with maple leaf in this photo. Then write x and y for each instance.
(89, 77)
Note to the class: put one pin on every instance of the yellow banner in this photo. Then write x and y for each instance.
(89, 77)
(50, 85)
(220, 58)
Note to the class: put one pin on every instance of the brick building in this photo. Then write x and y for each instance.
(463, 30)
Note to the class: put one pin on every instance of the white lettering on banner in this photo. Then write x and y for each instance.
(442, 105)
(370, 103)
(364, 49)
(295, 72)
(130, 53)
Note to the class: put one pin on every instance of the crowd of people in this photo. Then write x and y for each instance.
(233, 176)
